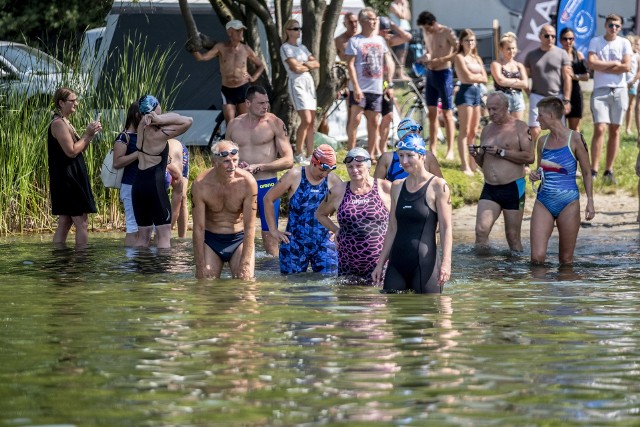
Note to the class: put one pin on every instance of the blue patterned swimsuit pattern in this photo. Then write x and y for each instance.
(559, 187)
(309, 241)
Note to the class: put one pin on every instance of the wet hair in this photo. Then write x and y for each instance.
(566, 30)
(508, 38)
(61, 94)
(553, 105)
(499, 94)
(426, 18)
(133, 115)
(252, 90)
(465, 34)
(215, 148)
(362, 16)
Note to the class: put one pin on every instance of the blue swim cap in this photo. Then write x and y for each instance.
(148, 103)
(412, 142)
(406, 126)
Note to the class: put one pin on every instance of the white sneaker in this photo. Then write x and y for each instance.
(306, 161)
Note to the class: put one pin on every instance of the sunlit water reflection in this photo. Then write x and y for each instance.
(113, 336)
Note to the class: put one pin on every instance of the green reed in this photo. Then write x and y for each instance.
(24, 179)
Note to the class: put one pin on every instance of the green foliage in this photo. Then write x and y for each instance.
(381, 6)
(42, 23)
(24, 178)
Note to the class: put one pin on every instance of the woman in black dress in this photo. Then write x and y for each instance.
(71, 196)
(578, 73)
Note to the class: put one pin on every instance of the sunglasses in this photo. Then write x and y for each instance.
(477, 148)
(549, 36)
(616, 26)
(295, 29)
(324, 166)
(359, 159)
(568, 39)
(226, 153)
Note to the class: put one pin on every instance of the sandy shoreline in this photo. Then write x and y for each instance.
(614, 213)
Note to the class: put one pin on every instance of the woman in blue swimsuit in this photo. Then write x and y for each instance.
(558, 200)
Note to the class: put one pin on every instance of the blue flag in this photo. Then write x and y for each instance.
(580, 16)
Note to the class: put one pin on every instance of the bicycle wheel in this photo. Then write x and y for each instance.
(415, 110)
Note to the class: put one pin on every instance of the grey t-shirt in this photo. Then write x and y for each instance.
(546, 70)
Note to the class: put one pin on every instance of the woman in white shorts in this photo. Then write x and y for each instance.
(298, 61)
(509, 75)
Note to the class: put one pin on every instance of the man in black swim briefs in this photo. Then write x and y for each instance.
(224, 216)
(506, 148)
(234, 56)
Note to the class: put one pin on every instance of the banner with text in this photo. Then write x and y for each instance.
(536, 14)
(580, 16)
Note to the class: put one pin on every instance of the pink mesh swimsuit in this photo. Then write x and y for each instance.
(363, 221)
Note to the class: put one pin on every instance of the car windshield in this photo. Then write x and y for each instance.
(30, 60)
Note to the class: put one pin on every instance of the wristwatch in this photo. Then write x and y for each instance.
(502, 152)
(565, 101)
(390, 85)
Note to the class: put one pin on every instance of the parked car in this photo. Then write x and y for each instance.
(29, 73)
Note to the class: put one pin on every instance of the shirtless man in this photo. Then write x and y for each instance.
(441, 46)
(506, 148)
(264, 143)
(351, 24)
(224, 216)
(151, 205)
(233, 68)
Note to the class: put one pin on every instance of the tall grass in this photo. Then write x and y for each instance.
(24, 179)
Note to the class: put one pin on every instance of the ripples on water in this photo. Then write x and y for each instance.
(110, 336)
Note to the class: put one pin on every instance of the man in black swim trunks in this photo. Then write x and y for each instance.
(234, 56)
(224, 216)
(506, 148)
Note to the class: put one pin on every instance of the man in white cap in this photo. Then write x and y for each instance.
(234, 55)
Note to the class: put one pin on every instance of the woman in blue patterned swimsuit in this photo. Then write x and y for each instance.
(558, 196)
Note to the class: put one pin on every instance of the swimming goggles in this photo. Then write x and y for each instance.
(411, 128)
(233, 152)
(359, 159)
(410, 146)
(324, 166)
(537, 189)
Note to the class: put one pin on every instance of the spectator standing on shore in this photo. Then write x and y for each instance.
(441, 47)
(579, 73)
(234, 56)
(69, 184)
(470, 71)
(510, 76)
(400, 16)
(298, 62)
(350, 23)
(632, 82)
(550, 70)
(609, 57)
(125, 155)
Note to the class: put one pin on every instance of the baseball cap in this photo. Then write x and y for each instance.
(385, 24)
(235, 24)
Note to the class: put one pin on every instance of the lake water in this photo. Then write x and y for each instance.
(114, 337)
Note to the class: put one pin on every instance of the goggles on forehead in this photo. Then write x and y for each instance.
(359, 159)
(233, 152)
(322, 165)
(410, 146)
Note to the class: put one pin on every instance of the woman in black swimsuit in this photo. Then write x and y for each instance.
(151, 205)
(419, 203)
